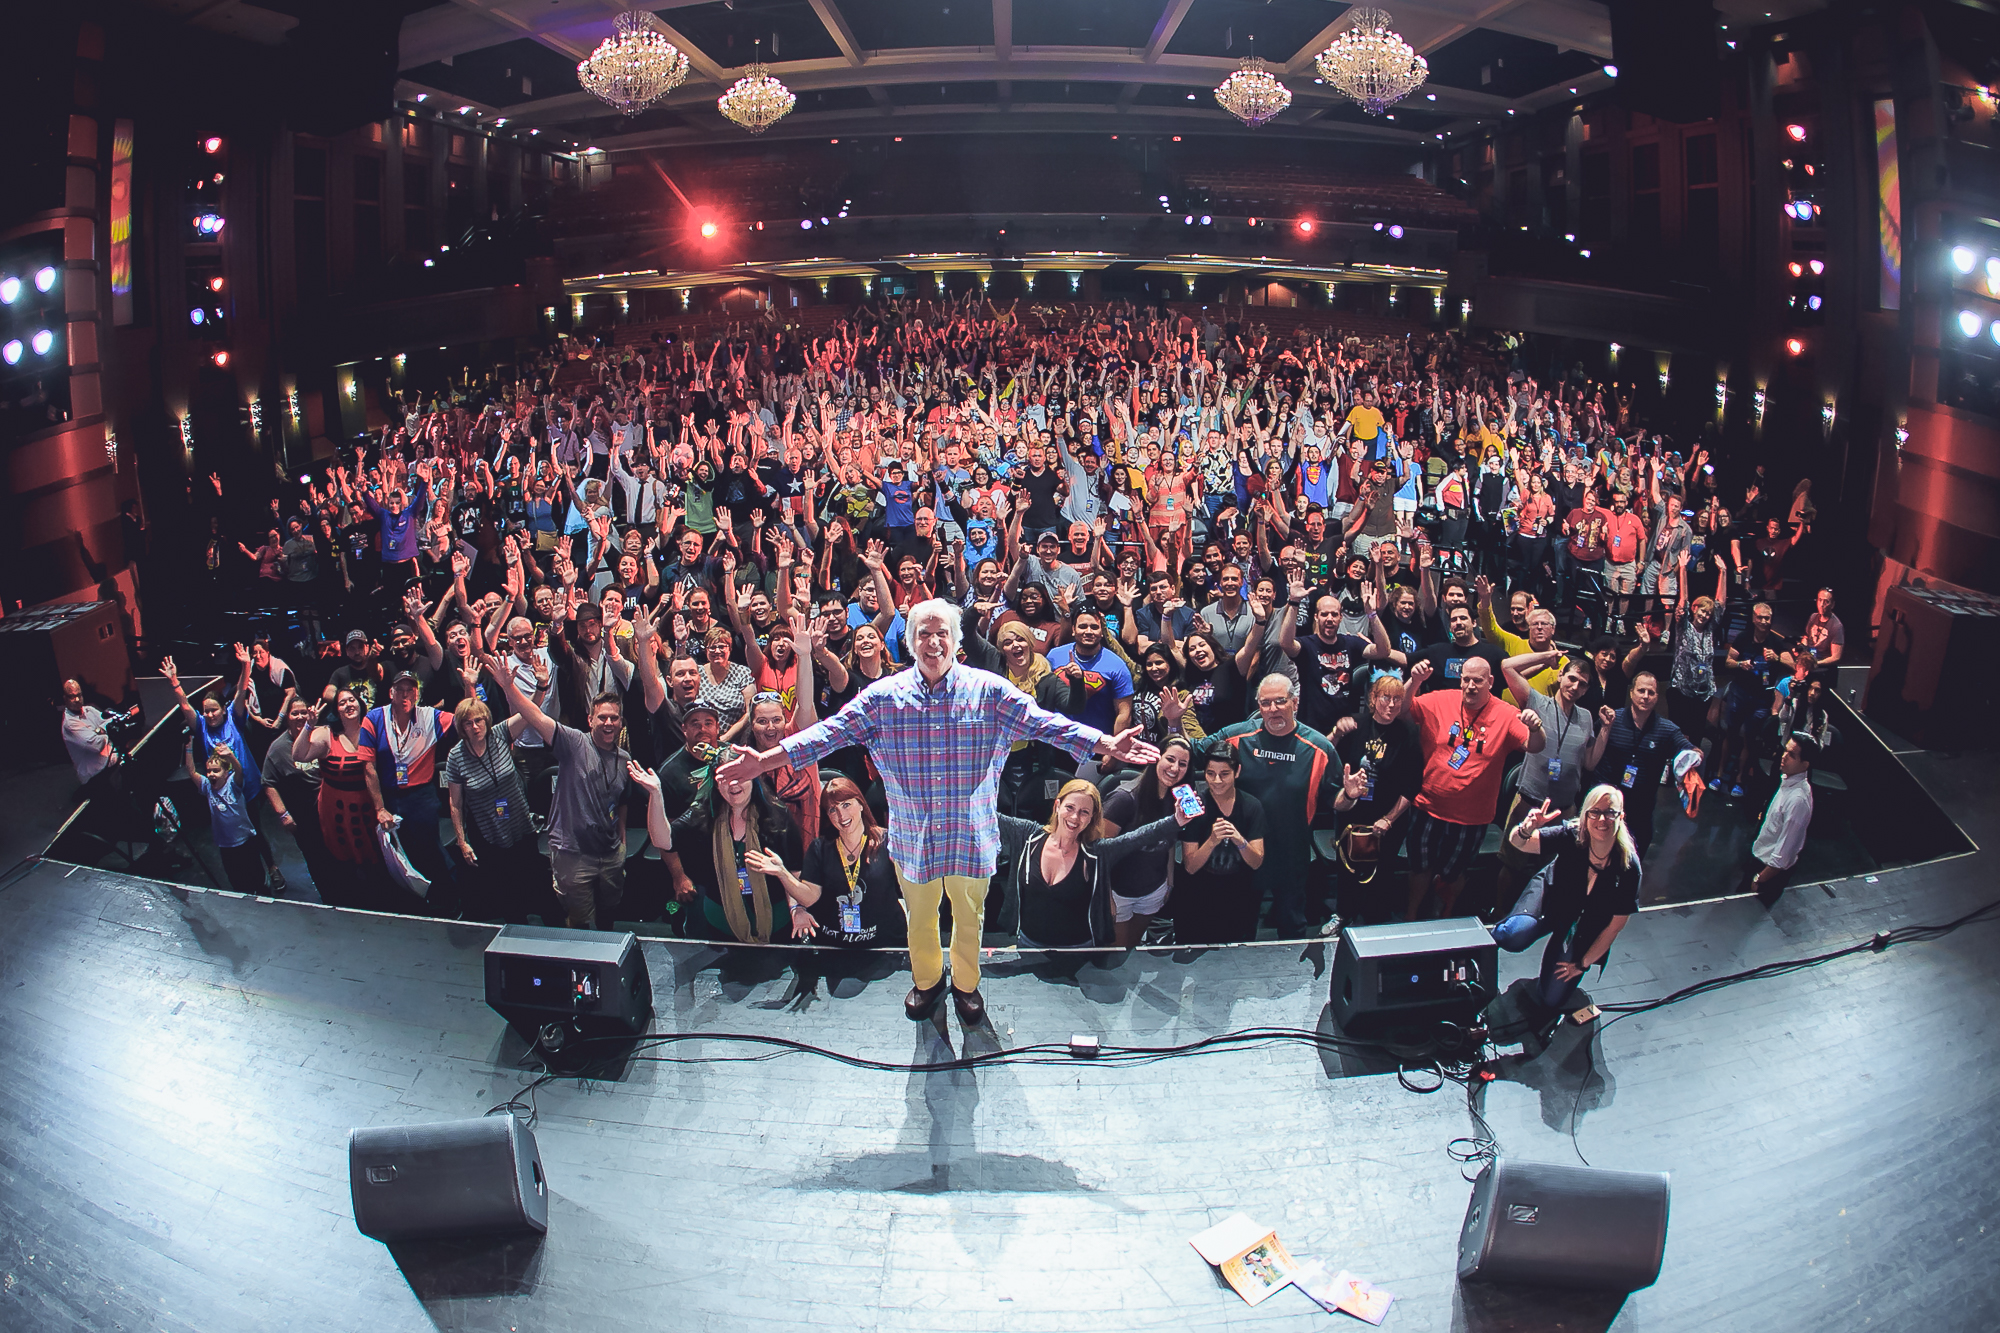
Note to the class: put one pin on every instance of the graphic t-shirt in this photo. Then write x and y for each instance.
(1106, 680)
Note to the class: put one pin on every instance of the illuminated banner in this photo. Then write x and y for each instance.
(1889, 214)
(121, 222)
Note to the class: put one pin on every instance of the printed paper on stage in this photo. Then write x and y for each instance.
(1252, 1258)
(1343, 1291)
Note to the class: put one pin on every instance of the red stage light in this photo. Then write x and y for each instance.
(1796, 268)
(220, 358)
(215, 284)
(1306, 226)
(1794, 346)
(1796, 133)
(212, 144)
(708, 229)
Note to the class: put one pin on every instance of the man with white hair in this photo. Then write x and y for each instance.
(1285, 766)
(939, 736)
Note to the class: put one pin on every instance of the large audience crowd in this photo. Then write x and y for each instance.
(1367, 596)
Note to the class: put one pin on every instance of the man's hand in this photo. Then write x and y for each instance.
(1606, 715)
(1129, 746)
(642, 776)
(385, 819)
(1420, 673)
(744, 765)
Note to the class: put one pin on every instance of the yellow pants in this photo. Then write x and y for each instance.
(968, 919)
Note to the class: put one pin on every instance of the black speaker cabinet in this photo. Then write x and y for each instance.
(1564, 1226)
(1933, 666)
(460, 1178)
(1417, 972)
(591, 978)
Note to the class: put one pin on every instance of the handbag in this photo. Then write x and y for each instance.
(397, 862)
(1360, 849)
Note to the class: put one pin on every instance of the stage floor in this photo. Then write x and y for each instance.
(181, 1069)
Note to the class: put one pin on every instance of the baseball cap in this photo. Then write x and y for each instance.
(701, 705)
(590, 611)
(402, 676)
(356, 636)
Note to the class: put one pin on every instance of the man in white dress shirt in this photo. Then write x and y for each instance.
(1786, 821)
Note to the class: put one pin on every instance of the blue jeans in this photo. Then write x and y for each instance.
(1526, 924)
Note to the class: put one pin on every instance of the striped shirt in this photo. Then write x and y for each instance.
(940, 749)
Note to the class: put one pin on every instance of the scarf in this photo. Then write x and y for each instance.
(724, 848)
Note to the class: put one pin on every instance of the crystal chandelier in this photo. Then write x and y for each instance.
(756, 101)
(1371, 63)
(636, 67)
(1253, 94)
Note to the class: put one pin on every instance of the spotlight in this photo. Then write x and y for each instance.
(1962, 258)
(9, 289)
(1993, 276)
(462, 110)
(212, 144)
(220, 358)
(1395, 231)
(1190, 97)
(430, 263)
(198, 315)
(1611, 71)
(1813, 302)
(708, 229)
(1796, 133)
(1995, 330)
(1378, 226)
(1206, 219)
(1969, 322)
(1795, 268)
(42, 342)
(11, 353)
(824, 223)
(1306, 226)
(805, 224)
(1818, 266)
(1794, 347)
(1584, 253)
(215, 284)
(1430, 97)
(45, 278)
(1188, 220)
(1570, 236)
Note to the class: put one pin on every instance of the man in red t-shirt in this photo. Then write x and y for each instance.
(1624, 552)
(1465, 737)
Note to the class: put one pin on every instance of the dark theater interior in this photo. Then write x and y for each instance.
(1018, 665)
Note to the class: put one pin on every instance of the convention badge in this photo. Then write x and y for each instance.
(1631, 776)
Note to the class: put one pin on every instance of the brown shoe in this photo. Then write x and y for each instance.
(920, 1001)
(971, 1007)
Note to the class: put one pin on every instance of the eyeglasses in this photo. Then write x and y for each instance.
(1601, 814)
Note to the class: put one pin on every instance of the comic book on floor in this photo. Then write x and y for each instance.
(1342, 1291)
(1252, 1258)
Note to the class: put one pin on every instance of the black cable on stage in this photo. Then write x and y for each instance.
(1454, 1054)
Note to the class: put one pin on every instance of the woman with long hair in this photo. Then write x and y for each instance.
(1582, 899)
(1032, 767)
(735, 843)
(1060, 881)
(1140, 883)
(1158, 704)
(1217, 688)
(847, 883)
(726, 685)
(1216, 896)
(346, 814)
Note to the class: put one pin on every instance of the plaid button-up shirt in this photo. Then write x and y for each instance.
(940, 749)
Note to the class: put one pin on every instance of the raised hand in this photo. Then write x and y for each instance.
(168, 670)
(642, 776)
(1421, 672)
(242, 653)
(1353, 782)
(1606, 715)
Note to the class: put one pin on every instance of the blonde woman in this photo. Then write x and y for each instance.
(1061, 880)
(1582, 899)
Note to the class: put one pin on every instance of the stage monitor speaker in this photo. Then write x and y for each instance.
(460, 1178)
(591, 979)
(1932, 666)
(1669, 57)
(1564, 1226)
(1424, 971)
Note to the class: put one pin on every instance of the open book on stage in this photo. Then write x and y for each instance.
(1252, 1258)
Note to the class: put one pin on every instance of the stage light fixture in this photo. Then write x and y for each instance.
(824, 223)
(1794, 346)
(1188, 221)
(430, 263)
(1993, 277)
(1813, 301)
(220, 359)
(1969, 322)
(10, 288)
(42, 342)
(1306, 226)
(708, 229)
(1206, 219)
(1395, 231)
(805, 224)
(1818, 266)
(212, 144)
(1963, 259)
(11, 353)
(1611, 71)
(1995, 330)
(45, 278)
(198, 315)
(1584, 253)
(215, 284)
(1795, 268)
(1796, 133)
(1430, 97)
(1378, 226)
